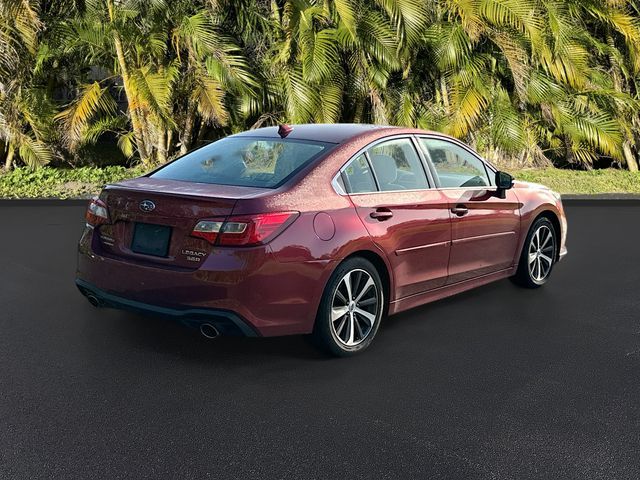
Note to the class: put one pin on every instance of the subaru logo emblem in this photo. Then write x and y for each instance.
(147, 206)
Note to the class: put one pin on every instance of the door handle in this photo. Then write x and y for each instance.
(460, 210)
(381, 214)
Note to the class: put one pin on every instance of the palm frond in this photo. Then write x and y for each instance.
(521, 15)
(331, 102)
(91, 101)
(468, 105)
(209, 98)
(34, 153)
(126, 144)
(319, 55)
(347, 15)
(112, 124)
(451, 44)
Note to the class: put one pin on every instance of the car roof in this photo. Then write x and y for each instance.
(320, 132)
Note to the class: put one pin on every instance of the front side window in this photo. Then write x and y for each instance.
(455, 166)
(358, 177)
(397, 166)
(243, 161)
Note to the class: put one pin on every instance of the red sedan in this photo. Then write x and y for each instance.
(315, 229)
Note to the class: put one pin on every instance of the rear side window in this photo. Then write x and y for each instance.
(455, 166)
(244, 161)
(358, 177)
(397, 166)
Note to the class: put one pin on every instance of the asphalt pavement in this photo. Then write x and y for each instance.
(496, 383)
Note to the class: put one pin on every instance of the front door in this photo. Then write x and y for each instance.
(484, 227)
(406, 218)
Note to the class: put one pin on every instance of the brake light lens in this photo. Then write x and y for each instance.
(208, 229)
(254, 229)
(244, 230)
(97, 213)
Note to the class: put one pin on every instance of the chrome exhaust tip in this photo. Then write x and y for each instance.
(209, 331)
(93, 300)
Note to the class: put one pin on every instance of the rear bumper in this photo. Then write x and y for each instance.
(226, 322)
(250, 286)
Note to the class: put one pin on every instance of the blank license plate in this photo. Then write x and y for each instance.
(151, 239)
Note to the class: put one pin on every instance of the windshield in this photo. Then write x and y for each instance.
(243, 161)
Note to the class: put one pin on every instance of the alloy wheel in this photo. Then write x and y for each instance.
(355, 307)
(541, 251)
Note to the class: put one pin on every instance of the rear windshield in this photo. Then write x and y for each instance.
(244, 161)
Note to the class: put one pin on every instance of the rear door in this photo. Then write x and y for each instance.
(484, 226)
(406, 218)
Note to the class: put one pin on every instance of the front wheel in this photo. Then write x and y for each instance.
(351, 308)
(538, 255)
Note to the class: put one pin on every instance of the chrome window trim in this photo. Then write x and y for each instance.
(427, 164)
(363, 150)
(344, 179)
(336, 185)
(392, 191)
(488, 187)
(367, 157)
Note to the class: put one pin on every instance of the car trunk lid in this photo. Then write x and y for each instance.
(151, 220)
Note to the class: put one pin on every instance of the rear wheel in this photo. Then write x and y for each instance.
(538, 255)
(351, 308)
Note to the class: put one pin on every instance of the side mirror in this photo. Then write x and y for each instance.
(504, 181)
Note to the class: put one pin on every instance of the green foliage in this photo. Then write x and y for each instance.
(84, 182)
(588, 182)
(50, 182)
(526, 82)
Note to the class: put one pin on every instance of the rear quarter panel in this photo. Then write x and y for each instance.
(311, 192)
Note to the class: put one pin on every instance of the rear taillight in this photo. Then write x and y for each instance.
(208, 229)
(244, 230)
(97, 213)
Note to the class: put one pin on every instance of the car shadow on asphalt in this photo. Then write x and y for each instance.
(173, 338)
(170, 337)
(458, 301)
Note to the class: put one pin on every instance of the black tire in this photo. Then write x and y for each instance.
(530, 277)
(327, 334)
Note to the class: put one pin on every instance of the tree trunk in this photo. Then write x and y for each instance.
(358, 111)
(169, 142)
(569, 155)
(445, 93)
(202, 133)
(630, 159)
(619, 86)
(187, 134)
(8, 163)
(149, 136)
(161, 146)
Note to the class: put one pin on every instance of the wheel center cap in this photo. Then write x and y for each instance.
(352, 306)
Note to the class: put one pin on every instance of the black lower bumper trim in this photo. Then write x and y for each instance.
(227, 322)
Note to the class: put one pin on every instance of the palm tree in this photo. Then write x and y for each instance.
(25, 121)
(25, 113)
(172, 65)
(528, 82)
(517, 80)
(322, 61)
(212, 68)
